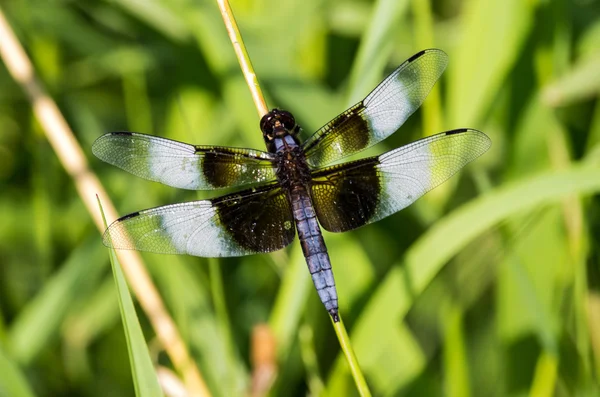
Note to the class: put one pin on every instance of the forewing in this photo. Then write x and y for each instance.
(182, 165)
(248, 222)
(381, 113)
(354, 194)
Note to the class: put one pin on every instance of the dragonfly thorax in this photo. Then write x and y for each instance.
(292, 169)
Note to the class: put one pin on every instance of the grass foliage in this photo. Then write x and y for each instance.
(488, 286)
(145, 380)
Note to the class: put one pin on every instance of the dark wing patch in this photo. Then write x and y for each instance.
(252, 221)
(346, 196)
(354, 194)
(182, 165)
(347, 133)
(381, 113)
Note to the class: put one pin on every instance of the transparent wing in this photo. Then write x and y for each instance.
(381, 113)
(248, 222)
(182, 165)
(351, 195)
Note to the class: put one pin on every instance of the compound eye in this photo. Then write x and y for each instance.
(266, 124)
(288, 120)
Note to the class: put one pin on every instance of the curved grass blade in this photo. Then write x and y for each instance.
(580, 83)
(38, 324)
(478, 69)
(396, 293)
(12, 381)
(145, 380)
(375, 47)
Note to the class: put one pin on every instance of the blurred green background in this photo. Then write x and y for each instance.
(488, 286)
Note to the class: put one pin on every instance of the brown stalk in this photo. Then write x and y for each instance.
(71, 156)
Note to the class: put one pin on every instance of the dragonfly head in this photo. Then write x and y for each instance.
(277, 124)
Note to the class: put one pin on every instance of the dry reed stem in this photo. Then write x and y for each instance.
(72, 158)
(242, 55)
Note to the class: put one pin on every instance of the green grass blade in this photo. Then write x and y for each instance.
(221, 314)
(492, 33)
(290, 301)
(310, 360)
(455, 361)
(144, 377)
(189, 301)
(432, 107)
(158, 16)
(375, 47)
(544, 381)
(12, 381)
(580, 83)
(96, 316)
(42, 317)
(536, 260)
(396, 293)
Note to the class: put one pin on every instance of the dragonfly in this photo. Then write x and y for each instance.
(292, 186)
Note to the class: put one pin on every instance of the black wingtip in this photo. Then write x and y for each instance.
(423, 52)
(417, 55)
(457, 131)
(484, 141)
(126, 133)
(132, 215)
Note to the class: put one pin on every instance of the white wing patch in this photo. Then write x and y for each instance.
(411, 171)
(175, 164)
(186, 228)
(402, 92)
(182, 165)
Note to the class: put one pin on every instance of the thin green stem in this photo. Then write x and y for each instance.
(218, 296)
(423, 26)
(357, 375)
(252, 81)
(242, 54)
(309, 357)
